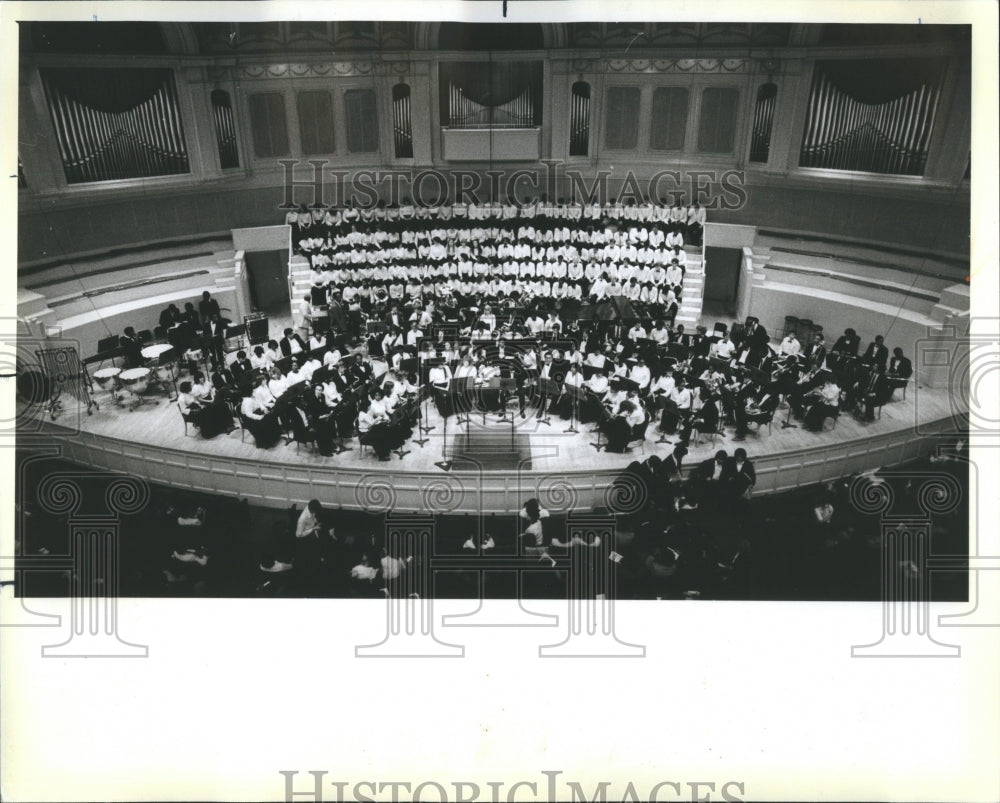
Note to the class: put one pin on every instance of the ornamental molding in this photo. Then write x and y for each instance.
(327, 69)
(720, 65)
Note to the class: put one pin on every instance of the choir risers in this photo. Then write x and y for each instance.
(956, 296)
(954, 303)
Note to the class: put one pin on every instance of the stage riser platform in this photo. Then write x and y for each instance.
(391, 486)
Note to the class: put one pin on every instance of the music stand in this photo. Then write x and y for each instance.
(678, 351)
(627, 384)
(507, 384)
(459, 388)
(444, 463)
(787, 423)
(575, 393)
(603, 416)
(403, 414)
(422, 396)
(547, 388)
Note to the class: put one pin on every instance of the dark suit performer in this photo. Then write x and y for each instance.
(739, 476)
(900, 370)
(241, 367)
(291, 344)
(132, 348)
(214, 335)
(208, 307)
(876, 354)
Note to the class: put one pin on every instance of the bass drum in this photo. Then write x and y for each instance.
(33, 387)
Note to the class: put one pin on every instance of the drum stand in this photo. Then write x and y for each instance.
(135, 399)
(165, 385)
(116, 392)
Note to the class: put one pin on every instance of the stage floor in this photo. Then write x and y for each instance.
(550, 447)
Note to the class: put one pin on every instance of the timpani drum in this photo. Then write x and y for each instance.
(155, 351)
(105, 377)
(135, 380)
(165, 373)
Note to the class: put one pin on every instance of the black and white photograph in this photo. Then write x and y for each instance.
(663, 344)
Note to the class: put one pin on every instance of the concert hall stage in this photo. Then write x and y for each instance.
(563, 469)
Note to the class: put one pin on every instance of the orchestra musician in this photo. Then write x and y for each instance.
(291, 343)
(619, 428)
(757, 410)
(439, 377)
(241, 367)
(873, 391)
(132, 348)
(373, 428)
(214, 335)
(592, 406)
(815, 352)
(845, 348)
(170, 316)
(707, 417)
(563, 404)
(677, 408)
(661, 388)
(210, 415)
(876, 353)
(821, 403)
(806, 384)
(899, 371)
(262, 395)
(224, 383)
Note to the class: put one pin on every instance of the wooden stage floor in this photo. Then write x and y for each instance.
(158, 423)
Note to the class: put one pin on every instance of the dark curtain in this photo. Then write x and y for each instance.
(877, 81)
(490, 36)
